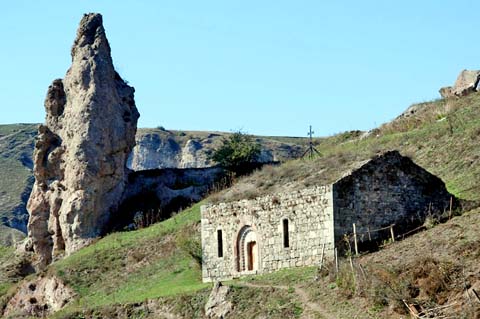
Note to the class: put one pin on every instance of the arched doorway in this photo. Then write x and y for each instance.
(247, 250)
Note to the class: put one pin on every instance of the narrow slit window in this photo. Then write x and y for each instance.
(220, 243)
(286, 239)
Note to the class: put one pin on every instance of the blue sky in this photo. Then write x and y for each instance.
(266, 67)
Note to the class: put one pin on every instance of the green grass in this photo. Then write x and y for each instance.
(284, 277)
(157, 262)
(4, 288)
(5, 252)
(134, 266)
(126, 269)
(6, 255)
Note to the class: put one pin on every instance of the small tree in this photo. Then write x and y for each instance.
(238, 153)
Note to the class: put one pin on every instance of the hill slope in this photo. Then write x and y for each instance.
(149, 273)
(154, 271)
(156, 148)
(16, 148)
(443, 137)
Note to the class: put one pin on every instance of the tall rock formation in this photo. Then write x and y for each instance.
(81, 151)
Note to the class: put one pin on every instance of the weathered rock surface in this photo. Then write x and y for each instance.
(175, 149)
(218, 306)
(39, 298)
(188, 149)
(468, 81)
(446, 92)
(154, 195)
(81, 151)
(412, 110)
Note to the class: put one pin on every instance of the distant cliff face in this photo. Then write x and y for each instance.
(158, 148)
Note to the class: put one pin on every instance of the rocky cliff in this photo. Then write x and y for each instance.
(155, 149)
(160, 148)
(81, 151)
(153, 195)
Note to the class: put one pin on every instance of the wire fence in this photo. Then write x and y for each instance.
(393, 235)
(370, 236)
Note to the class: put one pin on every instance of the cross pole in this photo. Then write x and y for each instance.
(311, 149)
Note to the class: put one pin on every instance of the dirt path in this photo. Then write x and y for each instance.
(309, 305)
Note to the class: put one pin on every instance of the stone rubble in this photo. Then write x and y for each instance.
(218, 306)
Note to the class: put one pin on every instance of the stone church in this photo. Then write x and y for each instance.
(300, 228)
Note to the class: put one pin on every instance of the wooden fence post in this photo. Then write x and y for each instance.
(451, 204)
(355, 238)
(353, 273)
(392, 233)
(336, 260)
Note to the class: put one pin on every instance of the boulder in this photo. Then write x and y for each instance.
(217, 305)
(446, 92)
(81, 151)
(468, 81)
(39, 298)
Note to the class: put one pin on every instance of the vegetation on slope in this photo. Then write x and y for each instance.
(6, 253)
(153, 270)
(16, 145)
(443, 137)
(133, 266)
(437, 268)
(156, 270)
(16, 150)
(237, 153)
(13, 268)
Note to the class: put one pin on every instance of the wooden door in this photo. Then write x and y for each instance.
(251, 255)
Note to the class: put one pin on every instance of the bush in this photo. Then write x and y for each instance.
(237, 152)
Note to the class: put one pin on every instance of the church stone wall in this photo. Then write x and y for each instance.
(389, 189)
(310, 228)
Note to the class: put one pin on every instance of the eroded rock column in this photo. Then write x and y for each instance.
(81, 151)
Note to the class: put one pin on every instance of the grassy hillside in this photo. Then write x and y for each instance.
(16, 146)
(6, 253)
(16, 150)
(13, 268)
(133, 266)
(431, 269)
(153, 270)
(443, 137)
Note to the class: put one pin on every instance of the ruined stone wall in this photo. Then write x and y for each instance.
(310, 220)
(389, 189)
